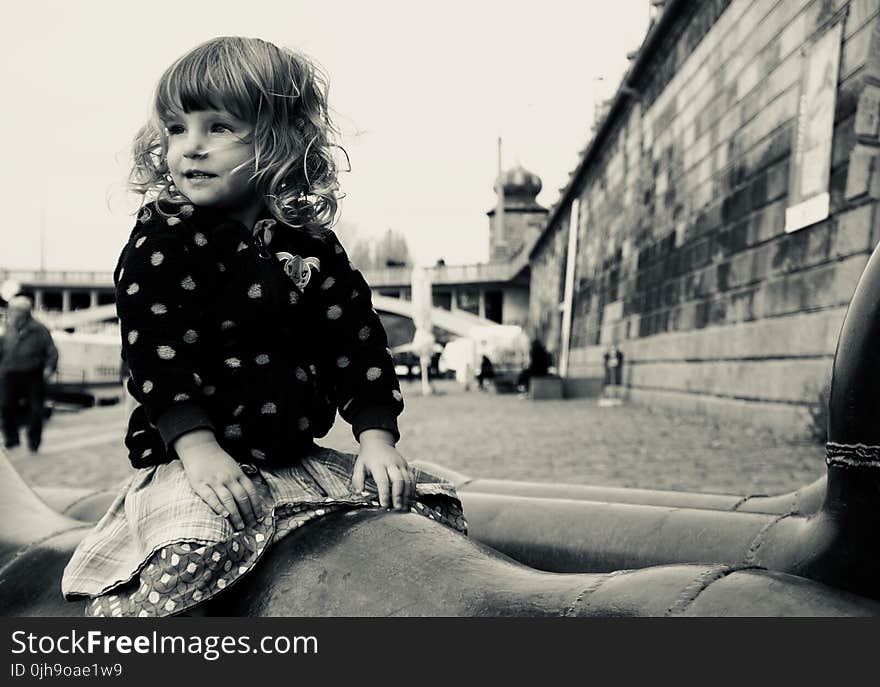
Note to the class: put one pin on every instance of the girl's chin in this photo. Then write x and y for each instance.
(206, 198)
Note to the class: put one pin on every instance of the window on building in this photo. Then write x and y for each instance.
(442, 299)
(469, 301)
(494, 305)
(52, 300)
(80, 300)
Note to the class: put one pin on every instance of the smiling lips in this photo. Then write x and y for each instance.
(197, 174)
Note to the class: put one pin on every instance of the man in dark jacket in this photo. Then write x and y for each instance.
(28, 358)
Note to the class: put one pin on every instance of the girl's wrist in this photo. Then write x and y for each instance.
(193, 441)
(376, 436)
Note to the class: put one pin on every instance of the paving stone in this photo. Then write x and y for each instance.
(490, 435)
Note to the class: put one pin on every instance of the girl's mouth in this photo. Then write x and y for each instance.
(198, 174)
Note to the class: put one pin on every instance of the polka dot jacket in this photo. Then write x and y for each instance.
(257, 335)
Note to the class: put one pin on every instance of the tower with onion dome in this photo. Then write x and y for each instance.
(521, 217)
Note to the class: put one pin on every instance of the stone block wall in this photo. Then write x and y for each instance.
(682, 255)
(521, 228)
(516, 306)
(546, 289)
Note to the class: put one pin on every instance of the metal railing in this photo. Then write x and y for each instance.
(48, 278)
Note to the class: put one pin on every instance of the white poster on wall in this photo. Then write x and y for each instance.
(808, 198)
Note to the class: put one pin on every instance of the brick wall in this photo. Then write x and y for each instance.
(683, 259)
(545, 291)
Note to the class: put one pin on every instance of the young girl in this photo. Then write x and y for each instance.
(245, 328)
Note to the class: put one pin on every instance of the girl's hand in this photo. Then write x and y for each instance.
(394, 480)
(218, 479)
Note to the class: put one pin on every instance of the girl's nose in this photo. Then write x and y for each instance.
(194, 146)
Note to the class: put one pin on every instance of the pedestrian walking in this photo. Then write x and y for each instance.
(244, 326)
(487, 371)
(28, 358)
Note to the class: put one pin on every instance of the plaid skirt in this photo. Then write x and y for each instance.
(160, 550)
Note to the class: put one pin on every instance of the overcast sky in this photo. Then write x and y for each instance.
(422, 90)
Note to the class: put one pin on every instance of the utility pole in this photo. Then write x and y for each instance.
(42, 238)
(568, 294)
(500, 239)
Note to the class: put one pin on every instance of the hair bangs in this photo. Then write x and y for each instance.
(208, 78)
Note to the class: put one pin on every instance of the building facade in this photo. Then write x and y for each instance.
(680, 207)
(62, 291)
(499, 289)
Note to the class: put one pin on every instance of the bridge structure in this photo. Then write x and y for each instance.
(457, 323)
(468, 301)
(73, 299)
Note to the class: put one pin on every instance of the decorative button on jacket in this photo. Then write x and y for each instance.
(258, 336)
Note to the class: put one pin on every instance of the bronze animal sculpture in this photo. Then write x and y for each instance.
(782, 556)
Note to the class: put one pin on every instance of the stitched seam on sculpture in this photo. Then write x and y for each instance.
(589, 589)
(697, 586)
(796, 506)
(751, 555)
(34, 544)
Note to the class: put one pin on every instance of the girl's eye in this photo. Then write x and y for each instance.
(174, 129)
(221, 128)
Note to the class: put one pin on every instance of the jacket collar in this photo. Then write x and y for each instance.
(204, 216)
(207, 220)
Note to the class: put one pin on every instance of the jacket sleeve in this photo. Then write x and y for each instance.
(51, 363)
(159, 298)
(366, 386)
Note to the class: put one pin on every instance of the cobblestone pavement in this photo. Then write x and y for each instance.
(502, 436)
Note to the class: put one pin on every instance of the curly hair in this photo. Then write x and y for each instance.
(283, 95)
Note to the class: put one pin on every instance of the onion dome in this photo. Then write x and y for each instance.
(520, 190)
(520, 182)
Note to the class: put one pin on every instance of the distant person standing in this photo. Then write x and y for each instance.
(28, 358)
(539, 365)
(487, 372)
(540, 359)
(613, 360)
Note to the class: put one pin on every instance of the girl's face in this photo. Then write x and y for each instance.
(210, 158)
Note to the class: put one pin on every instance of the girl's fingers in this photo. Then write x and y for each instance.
(409, 487)
(228, 501)
(208, 496)
(256, 500)
(381, 479)
(243, 501)
(398, 486)
(358, 476)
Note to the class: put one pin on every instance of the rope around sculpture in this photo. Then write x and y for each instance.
(852, 455)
